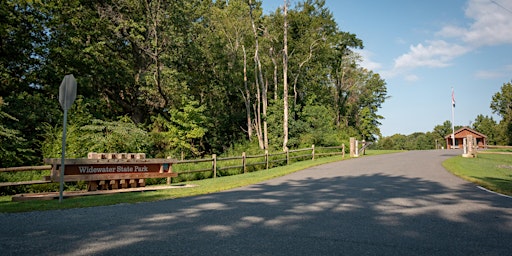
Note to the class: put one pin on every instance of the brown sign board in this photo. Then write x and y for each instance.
(114, 168)
(90, 169)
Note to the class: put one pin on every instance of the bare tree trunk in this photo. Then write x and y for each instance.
(247, 97)
(258, 78)
(285, 78)
(274, 61)
(265, 104)
(257, 115)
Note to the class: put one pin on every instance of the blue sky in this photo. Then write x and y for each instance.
(423, 49)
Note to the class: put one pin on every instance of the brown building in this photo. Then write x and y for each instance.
(460, 134)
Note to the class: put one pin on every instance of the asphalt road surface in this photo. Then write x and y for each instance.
(398, 204)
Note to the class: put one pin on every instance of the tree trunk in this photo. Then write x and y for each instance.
(259, 80)
(247, 97)
(257, 115)
(265, 104)
(285, 78)
(274, 62)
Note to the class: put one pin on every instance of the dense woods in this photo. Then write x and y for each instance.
(179, 78)
(192, 78)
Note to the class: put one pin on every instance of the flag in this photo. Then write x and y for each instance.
(453, 98)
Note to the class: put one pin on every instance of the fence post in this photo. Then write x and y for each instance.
(343, 150)
(313, 152)
(244, 162)
(169, 179)
(214, 165)
(266, 159)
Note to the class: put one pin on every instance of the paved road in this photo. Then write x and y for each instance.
(399, 204)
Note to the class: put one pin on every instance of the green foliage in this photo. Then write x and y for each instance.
(414, 141)
(249, 147)
(440, 131)
(487, 126)
(178, 71)
(14, 148)
(275, 124)
(121, 136)
(182, 132)
(317, 127)
(109, 136)
(501, 104)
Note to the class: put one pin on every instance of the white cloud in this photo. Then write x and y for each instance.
(411, 78)
(486, 74)
(366, 61)
(434, 54)
(503, 72)
(492, 22)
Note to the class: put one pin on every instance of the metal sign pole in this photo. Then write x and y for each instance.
(62, 162)
(67, 94)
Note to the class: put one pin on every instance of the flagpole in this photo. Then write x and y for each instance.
(453, 120)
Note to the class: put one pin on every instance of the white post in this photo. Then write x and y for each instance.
(453, 119)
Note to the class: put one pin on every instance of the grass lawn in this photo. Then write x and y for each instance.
(203, 187)
(491, 171)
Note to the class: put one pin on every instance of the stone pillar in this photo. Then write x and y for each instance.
(353, 147)
(471, 150)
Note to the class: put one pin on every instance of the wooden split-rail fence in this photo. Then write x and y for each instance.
(106, 171)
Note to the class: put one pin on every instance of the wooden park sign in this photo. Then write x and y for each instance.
(112, 171)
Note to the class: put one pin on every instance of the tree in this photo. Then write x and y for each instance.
(227, 43)
(285, 76)
(22, 34)
(317, 126)
(182, 134)
(181, 71)
(440, 131)
(13, 148)
(372, 95)
(501, 104)
(153, 33)
(261, 89)
(487, 126)
(24, 105)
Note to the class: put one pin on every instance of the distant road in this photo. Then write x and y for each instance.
(397, 204)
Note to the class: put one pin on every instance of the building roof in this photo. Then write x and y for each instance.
(465, 131)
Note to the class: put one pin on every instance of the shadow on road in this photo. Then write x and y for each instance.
(376, 214)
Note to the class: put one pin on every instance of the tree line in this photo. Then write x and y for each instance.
(179, 78)
(498, 133)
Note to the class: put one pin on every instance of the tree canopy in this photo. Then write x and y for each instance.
(176, 78)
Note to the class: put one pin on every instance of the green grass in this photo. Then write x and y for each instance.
(491, 171)
(203, 187)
